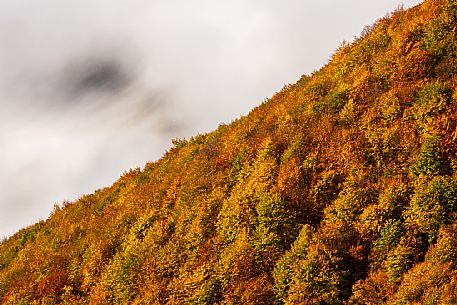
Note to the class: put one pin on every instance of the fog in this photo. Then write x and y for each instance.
(91, 88)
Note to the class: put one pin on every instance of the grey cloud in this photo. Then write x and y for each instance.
(75, 107)
(99, 74)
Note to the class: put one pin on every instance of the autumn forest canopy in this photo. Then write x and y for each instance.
(339, 189)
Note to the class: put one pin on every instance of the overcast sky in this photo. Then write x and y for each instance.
(91, 88)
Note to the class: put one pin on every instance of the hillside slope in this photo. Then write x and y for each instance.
(340, 189)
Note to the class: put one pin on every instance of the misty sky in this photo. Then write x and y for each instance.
(91, 88)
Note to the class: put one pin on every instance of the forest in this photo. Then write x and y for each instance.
(339, 189)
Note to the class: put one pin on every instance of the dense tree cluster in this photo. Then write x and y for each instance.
(340, 189)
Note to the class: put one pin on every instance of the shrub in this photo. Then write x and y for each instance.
(333, 102)
(390, 235)
(431, 100)
(398, 261)
(431, 205)
(429, 161)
